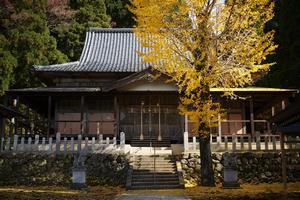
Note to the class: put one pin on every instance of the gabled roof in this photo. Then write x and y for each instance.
(105, 50)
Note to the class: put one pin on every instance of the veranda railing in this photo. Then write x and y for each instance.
(237, 143)
(65, 145)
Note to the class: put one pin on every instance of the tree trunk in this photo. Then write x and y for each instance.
(207, 173)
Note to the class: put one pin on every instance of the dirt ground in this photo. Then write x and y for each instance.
(247, 191)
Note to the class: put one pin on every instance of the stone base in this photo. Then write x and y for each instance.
(78, 186)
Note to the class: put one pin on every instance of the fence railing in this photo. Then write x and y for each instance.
(236, 143)
(65, 145)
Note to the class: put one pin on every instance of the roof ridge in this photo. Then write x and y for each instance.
(110, 30)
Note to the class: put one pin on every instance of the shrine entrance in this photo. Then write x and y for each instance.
(152, 122)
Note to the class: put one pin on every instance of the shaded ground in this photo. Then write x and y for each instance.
(247, 191)
(58, 193)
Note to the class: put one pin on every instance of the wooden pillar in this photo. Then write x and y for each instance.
(282, 105)
(219, 128)
(283, 162)
(2, 126)
(49, 115)
(82, 115)
(273, 111)
(16, 106)
(252, 117)
(27, 129)
(186, 123)
(3, 120)
(117, 119)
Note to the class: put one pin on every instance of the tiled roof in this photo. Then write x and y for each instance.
(105, 50)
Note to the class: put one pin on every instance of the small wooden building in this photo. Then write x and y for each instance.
(110, 90)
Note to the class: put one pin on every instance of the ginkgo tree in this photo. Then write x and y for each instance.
(203, 44)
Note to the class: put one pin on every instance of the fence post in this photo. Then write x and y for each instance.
(7, 146)
(114, 141)
(50, 145)
(266, 143)
(249, 143)
(44, 144)
(226, 142)
(22, 144)
(107, 140)
(86, 143)
(242, 142)
(233, 142)
(29, 144)
(100, 139)
(15, 143)
(93, 144)
(36, 142)
(274, 142)
(72, 145)
(57, 142)
(194, 143)
(65, 145)
(257, 141)
(2, 143)
(79, 144)
(186, 141)
(122, 140)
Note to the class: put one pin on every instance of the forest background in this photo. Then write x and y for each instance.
(41, 32)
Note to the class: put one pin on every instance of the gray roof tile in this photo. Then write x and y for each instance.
(105, 50)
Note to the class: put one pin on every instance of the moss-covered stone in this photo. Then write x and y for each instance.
(253, 167)
(50, 170)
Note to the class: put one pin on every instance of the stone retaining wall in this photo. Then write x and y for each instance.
(30, 169)
(253, 167)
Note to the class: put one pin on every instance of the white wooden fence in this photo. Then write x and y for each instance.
(65, 145)
(237, 143)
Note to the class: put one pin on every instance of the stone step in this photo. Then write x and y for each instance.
(164, 176)
(155, 186)
(159, 175)
(157, 179)
(146, 172)
(153, 182)
(154, 167)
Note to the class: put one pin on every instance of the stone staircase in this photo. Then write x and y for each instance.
(154, 172)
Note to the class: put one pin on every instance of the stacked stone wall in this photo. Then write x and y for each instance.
(49, 170)
(253, 167)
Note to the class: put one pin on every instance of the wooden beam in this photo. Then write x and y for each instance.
(252, 117)
(82, 127)
(117, 116)
(49, 115)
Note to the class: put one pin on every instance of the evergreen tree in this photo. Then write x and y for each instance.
(70, 36)
(25, 41)
(286, 72)
(120, 15)
(7, 64)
